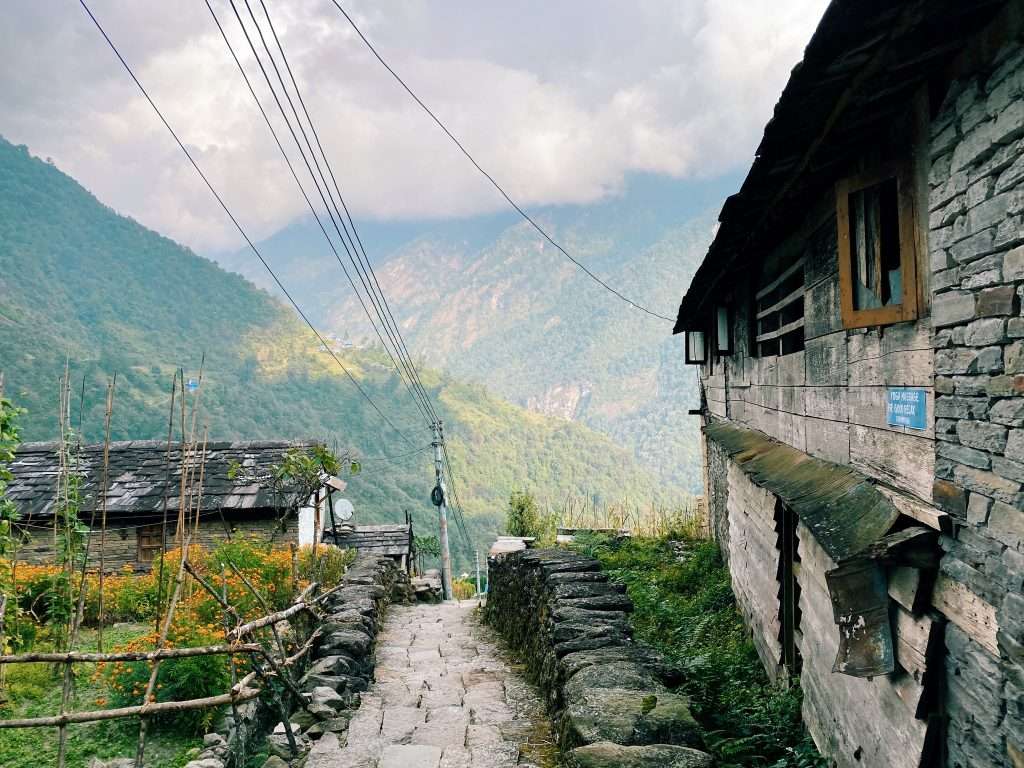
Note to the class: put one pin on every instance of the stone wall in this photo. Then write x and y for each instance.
(976, 246)
(340, 668)
(611, 697)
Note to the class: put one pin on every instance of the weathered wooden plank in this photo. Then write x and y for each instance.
(792, 369)
(826, 403)
(894, 369)
(908, 588)
(826, 359)
(867, 408)
(915, 546)
(924, 513)
(829, 440)
(900, 459)
(822, 309)
(968, 611)
(914, 637)
(791, 400)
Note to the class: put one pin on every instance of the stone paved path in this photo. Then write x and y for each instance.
(444, 697)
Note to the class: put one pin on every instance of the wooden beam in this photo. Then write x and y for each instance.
(923, 513)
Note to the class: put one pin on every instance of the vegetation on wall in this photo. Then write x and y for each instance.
(685, 608)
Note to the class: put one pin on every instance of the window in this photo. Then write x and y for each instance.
(779, 313)
(150, 542)
(789, 586)
(877, 254)
(723, 330)
(695, 352)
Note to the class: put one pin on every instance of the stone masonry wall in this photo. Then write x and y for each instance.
(340, 668)
(611, 697)
(976, 243)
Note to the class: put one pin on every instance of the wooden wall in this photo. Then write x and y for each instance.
(858, 721)
(829, 399)
(122, 544)
(754, 564)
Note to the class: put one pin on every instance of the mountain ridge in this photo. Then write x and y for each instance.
(80, 283)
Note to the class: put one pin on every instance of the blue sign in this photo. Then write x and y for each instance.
(906, 407)
(191, 385)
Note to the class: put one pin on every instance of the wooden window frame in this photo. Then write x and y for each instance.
(730, 336)
(143, 530)
(907, 309)
(797, 295)
(690, 359)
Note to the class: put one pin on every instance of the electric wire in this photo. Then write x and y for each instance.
(346, 238)
(298, 182)
(236, 223)
(490, 178)
(357, 245)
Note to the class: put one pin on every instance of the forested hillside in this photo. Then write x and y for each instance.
(488, 300)
(80, 283)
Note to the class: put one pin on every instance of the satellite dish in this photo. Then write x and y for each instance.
(343, 509)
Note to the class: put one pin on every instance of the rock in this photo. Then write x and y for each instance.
(629, 717)
(352, 642)
(325, 702)
(277, 744)
(302, 719)
(337, 664)
(616, 674)
(214, 740)
(275, 762)
(333, 725)
(113, 762)
(608, 755)
(206, 762)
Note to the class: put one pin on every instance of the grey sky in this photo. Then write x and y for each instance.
(558, 99)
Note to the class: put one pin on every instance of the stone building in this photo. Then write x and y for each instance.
(858, 327)
(141, 484)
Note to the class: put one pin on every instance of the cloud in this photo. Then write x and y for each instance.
(560, 101)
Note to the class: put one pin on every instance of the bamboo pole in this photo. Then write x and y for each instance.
(163, 529)
(143, 711)
(103, 504)
(163, 653)
(239, 734)
(171, 607)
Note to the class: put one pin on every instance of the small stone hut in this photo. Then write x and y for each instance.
(391, 540)
(858, 332)
(141, 484)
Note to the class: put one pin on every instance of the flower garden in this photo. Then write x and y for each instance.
(257, 579)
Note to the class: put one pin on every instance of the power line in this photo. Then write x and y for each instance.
(360, 250)
(235, 222)
(302, 190)
(350, 231)
(490, 178)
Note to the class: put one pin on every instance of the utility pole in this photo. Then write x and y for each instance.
(477, 572)
(442, 509)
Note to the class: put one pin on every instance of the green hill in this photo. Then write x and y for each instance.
(80, 283)
(488, 300)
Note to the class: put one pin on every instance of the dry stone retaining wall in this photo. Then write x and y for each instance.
(611, 697)
(341, 667)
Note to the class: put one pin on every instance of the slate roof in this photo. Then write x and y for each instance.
(138, 474)
(860, 70)
(388, 540)
(842, 507)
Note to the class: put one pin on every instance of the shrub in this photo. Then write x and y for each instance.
(525, 518)
(177, 679)
(684, 607)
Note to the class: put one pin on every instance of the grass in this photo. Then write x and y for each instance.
(685, 608)
(34, 690)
